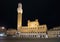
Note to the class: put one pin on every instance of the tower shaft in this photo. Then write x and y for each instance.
(19, 25)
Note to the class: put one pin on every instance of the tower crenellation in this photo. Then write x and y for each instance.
(19, 9)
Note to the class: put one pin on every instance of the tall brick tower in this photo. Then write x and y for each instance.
(19, 19)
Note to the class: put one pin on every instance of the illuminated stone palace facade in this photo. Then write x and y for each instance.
(54, 32)
(33, 29)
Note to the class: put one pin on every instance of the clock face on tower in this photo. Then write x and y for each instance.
(33, 24)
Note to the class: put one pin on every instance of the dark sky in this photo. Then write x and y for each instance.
(43, 10)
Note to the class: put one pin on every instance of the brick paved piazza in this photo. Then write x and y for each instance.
(10, 39)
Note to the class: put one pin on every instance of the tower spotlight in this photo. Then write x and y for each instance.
(3, 27)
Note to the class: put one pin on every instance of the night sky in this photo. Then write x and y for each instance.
(43, 10)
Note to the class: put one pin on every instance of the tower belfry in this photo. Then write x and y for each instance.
(19, 19)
